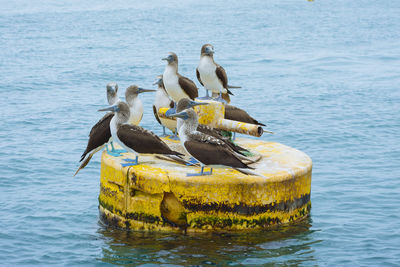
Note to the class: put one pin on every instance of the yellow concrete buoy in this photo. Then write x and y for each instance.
(157, 194)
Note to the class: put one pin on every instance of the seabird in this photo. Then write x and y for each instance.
(176, 85)
(98, 138)
(100, 133)
(238, 114)
(186, 103)
(134, 138)
(135, 104)
(162, 100)
(213, 76)
(207, 150)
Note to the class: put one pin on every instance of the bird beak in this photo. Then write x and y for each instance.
(165, 58)
(182, 115)
(194, 103)
(114, 108)
(157, 82)
(141, 90)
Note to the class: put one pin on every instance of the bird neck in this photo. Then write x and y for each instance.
(207, 56)
(132, 99)
(122, 117)
(189, 126)
(171, 68)
(112, 98)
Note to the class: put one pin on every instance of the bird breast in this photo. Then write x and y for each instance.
(162, 100)
(171, 84)
(208, 76)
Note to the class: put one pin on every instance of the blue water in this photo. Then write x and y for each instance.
(323, 75)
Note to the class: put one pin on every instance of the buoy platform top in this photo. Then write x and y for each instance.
(157, 194)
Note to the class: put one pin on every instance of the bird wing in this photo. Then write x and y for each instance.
(211, 154)
(237, 114)
(221, 74)
(156, 114)
(206, 138)
(217, 134)
(188, 86)
(143, 141)
(99, 134)
(198, 76)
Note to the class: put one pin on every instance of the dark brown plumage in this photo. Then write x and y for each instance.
(99, 135)
(211, 151)
(156, 114)
(188, 86)
(198, 77)
(237, 114)
(143, 141)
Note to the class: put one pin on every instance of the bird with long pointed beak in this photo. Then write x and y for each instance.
(133, 138)
(162, 100)
(207, 150)
(100, 133)
(213, 76)
(176, 85)
(134, 103)
(186, 103)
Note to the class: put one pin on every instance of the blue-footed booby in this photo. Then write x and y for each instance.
(176, 85)
(99, 136)
(100, 133)
(135, 104)
(238, 114)
(186, 103)
(207, 150)
(213, 76)
(162, 100)
(134, 138)
(112, 93)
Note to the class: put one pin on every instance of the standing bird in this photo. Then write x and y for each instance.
(134, 103)
(100, 133)
(213, 76)
(238, 114)
(186, 103)
(162, 100)
(207, 150)
(112, 93)
(134, 138)
(176, 85)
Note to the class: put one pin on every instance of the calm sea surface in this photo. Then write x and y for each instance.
(323, 75)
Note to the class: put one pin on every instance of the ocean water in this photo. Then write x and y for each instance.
(323, 75)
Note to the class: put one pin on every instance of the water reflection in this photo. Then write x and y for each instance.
(286, 244)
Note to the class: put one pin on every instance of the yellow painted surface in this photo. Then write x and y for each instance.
(157, 194)
(213, 115)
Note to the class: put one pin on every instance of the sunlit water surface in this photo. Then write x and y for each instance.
(323, 75)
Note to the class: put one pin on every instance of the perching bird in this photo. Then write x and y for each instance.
(100, 133)
(186, 103)
(112, 93)
(213, 76)
(135, 104)
(162, 100)
(134, 138)
(238, 114)
(207, 150)
(98, 139)
(176, 85)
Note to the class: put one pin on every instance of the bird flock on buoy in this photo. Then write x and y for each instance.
(207, 146)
